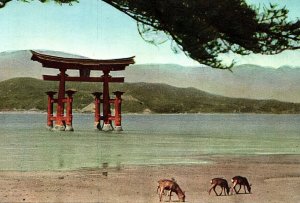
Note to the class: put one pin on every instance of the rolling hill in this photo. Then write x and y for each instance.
(28, 94)
(246, 81)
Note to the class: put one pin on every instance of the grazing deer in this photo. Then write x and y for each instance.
(239, 180)
(219, 182)
(172, 186)
(158, 187)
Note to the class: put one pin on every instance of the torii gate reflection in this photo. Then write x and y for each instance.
(64, 122)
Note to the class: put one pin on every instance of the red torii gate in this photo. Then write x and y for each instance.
(84, 66)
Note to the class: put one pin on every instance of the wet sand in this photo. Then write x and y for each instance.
(274, 178)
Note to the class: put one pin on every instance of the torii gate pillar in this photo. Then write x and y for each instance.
(50, 109)
(69, 116)
(97, 124)
(60, 122)
(107, 125)
(118, 103)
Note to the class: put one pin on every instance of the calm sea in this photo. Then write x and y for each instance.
(25, 143)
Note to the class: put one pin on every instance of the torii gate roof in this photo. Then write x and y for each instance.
(57, 62)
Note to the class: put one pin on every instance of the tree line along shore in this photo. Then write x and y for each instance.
(23, 94)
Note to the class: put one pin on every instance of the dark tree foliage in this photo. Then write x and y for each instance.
(204, 29)
(3, 2)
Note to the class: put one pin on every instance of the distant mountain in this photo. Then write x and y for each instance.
(19, 64)
(28, 94)
(246, 81)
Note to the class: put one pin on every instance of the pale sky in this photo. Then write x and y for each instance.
(94, 29)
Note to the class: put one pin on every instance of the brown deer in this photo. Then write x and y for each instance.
(219, 182)
(239, 180)
(172, 186)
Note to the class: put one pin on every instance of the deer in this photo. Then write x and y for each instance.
(239, 180)
(172, 186)
(219, 182)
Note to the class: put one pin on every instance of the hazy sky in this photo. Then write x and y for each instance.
(95, 29)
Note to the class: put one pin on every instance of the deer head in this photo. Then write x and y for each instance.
(181, 196)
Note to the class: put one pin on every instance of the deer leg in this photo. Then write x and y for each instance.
(170, 195)
(164, 192)
(215, 191)
(240, 187)
(160, 193)
(227, 190)
(233, 187)
(245, 189)
(223, 188)
(211, 189)
(221, 191)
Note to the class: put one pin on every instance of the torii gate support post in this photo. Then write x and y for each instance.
(118, 103)
(50, 109)
(97, 123)
(106, 102)
(69, 116)
(60, 122)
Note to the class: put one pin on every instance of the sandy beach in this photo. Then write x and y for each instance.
(274, 178)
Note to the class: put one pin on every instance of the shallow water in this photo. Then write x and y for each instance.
(25, 144)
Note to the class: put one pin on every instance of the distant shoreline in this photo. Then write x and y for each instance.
(212, 113)
(27, 94)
